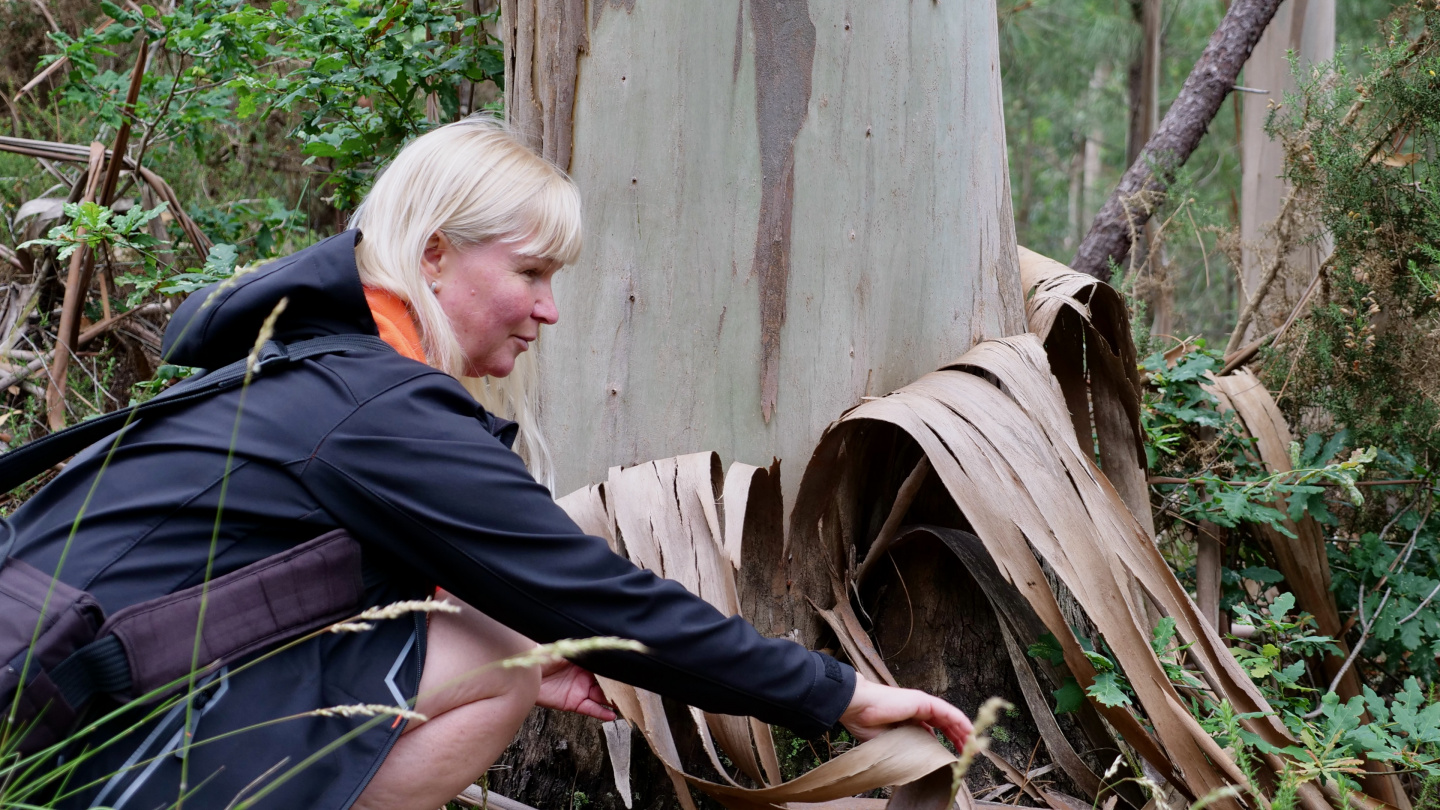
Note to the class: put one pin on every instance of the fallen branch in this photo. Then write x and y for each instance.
(45, 12)
(42, 361)
(1209, 83)
(475, 796)
(73, 153)
(8, 255)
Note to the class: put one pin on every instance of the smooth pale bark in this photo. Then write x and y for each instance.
(787, 209)
(1094, 138)
(1306, 27)
(1156, 286)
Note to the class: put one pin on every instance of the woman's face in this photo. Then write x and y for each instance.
(495, 299)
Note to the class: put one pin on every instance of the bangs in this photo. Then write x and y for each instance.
(550, 222)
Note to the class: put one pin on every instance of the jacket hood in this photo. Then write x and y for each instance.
(218, 324)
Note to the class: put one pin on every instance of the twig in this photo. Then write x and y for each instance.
(51, 68)
(1366, 625)
(151, 126)
(903, 498)
(45, 12)
(475, 796)
(122, 138)
(1284, 225)
(42, 359)
(1420, 606)
(1242, 356)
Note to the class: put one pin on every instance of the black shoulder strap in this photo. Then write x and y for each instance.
(28, 461)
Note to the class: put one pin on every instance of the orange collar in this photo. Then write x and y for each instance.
(396, 325)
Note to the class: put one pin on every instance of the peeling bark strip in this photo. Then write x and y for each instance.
(1209, 82)
(543, 43)
(784, 57)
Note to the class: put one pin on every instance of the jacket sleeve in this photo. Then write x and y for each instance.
(415, 471)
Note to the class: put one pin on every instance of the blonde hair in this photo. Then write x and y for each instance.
(475, 182)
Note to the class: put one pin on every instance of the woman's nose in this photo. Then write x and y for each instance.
(545, 310)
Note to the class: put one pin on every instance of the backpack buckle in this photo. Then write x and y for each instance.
(271, 353)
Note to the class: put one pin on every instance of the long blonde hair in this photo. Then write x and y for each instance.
(475, 182)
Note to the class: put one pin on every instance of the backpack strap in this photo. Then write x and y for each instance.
(145, 647)
(28, 461)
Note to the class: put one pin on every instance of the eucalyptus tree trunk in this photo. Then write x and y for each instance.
(1306, 28)
(789, 206)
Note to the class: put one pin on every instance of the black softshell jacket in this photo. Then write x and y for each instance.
(401, 456)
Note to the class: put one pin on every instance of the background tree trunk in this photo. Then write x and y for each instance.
(1306, 27)
(1094, 139)
(789, 206)
(1156, 288)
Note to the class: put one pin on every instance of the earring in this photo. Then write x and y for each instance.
(435, 287)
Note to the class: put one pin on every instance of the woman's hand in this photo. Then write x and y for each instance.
(569, 688)
(876, 708)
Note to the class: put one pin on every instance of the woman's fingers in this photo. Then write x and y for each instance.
(951, 721)
(599, 711)
(876, 707)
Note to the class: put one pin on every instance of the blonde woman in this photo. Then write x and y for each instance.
(462, 237)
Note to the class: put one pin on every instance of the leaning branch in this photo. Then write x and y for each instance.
(1209, 83)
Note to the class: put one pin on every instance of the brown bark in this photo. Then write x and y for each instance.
(557, 756)
(1205, 89)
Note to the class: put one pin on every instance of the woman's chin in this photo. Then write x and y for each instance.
(492, 368)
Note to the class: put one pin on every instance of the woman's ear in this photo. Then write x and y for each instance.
(432, 259)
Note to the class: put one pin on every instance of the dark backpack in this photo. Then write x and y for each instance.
(60, 651)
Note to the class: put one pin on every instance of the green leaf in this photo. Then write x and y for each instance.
(1259, 667)
(1069, 697)
(1262, 574)
(137, 217)
(1161, 635)
(1291, 674)
(1106, 689)
(1333, 447)
(1047, 648)
(220, 261)
(1099, 661)
(244, 104)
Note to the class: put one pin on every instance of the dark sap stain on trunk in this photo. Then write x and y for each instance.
(784, 56)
